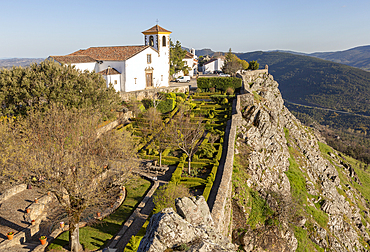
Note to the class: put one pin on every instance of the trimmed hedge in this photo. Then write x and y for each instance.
(220, 98)
(219, 83)
(176, 175)
(167, 105)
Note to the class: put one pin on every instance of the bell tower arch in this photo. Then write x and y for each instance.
(158, 38)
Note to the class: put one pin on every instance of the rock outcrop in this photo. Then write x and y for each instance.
(287, 168)
(192, 229)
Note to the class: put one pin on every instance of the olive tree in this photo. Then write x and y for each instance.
(38, 86)
(62, 147)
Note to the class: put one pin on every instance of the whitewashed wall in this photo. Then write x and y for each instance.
(85, 66)
(118, 65)
(111, 79)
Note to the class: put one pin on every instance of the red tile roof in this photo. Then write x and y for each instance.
(188, 55)
(156, 28)
(109, 71)
(73, 59)
(110, 53)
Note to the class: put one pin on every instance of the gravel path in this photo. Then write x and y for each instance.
(12, 211)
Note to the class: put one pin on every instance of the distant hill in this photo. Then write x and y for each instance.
(309, 80)
(209, 52)
(23, 62)
(356, 57)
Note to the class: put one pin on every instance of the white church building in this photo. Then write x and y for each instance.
(128, 68)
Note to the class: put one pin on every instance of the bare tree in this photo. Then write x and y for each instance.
(154, 126)
(62, 148)
(185, 134)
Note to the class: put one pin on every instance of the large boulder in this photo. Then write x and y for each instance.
(193, 230)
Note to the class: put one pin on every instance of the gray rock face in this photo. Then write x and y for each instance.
(274, 136)
(194, 230)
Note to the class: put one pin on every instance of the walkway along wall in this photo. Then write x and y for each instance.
(221, 206)
(221, 210)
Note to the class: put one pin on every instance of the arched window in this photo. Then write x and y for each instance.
(164, 41)
(151, 41)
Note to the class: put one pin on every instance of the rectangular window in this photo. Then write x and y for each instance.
(149, 58)
(161, 77)
(115, 82)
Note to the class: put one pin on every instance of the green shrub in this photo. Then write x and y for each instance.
(206, 150)
(166, 152)
(182, 95)
(176, 175)
(219, 98)
(148, 103)
(167, 105)
(179, 99)
(165, 196)
(219, 83)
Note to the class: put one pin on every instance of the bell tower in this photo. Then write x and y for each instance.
(158, 38)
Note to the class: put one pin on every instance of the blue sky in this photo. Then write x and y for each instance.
(40, 28)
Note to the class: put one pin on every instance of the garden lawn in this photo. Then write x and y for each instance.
(96, 236)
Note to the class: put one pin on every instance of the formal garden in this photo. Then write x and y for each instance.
(211, 105)
(197, 121)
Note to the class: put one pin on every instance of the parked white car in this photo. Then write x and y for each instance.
(183, 79)
(224, 75)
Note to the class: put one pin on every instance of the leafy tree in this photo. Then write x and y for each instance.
(38, 86)
(61, 147)
(253, 65)
(177, 54)
(233, 64)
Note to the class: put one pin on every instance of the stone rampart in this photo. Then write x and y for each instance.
(221, 210)
(250, 75)
(148, 93)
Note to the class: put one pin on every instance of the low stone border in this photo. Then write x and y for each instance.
(12, 191)
(132, 217)
(81, 224)
(148, 93)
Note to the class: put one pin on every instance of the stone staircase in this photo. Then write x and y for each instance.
(25, 247)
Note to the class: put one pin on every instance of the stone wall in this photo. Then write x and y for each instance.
(221, 211)
(250, 75)
(148, 93)
(12, 191)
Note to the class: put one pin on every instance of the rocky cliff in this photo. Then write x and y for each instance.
(290, 190)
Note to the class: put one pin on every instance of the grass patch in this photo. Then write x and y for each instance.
(134, 242)
(304, 242)
(96, 236)
(260, 211)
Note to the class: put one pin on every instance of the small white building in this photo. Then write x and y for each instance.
(191, 61)
(128, 68)
(213, 65)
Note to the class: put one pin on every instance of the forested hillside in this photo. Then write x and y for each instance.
(312, 81)
(319, 83)
(23, 62)
(356, 57)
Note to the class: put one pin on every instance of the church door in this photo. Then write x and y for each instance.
(149, 79)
